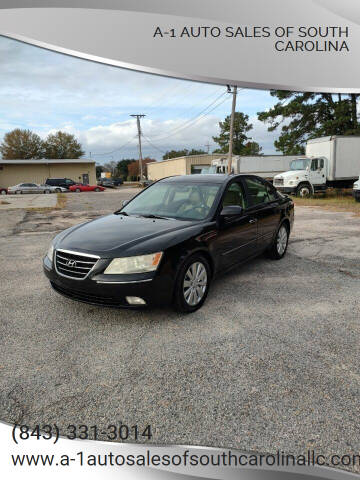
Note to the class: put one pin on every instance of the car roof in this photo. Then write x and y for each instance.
(202, 178)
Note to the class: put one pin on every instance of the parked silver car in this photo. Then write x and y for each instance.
(53, 189)
(32, 188)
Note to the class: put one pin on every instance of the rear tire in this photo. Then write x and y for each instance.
(192, 284)
(47, 191)
(58, 190)
(18, 192)
(3, 192)
(280, 243)
(97, 189)
(77, 190)
(357, 199)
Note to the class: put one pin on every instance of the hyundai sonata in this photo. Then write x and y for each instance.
(168, 243)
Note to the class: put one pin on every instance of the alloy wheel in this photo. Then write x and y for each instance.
(195, 283)
(282, 239)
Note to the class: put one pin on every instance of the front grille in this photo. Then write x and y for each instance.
(74, 265)
(279, 181)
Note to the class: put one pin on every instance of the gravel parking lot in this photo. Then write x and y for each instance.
(270, 362)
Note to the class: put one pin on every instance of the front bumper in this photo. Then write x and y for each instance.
(288, 190)
(95, 290)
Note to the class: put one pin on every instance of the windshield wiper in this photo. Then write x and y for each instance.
(121, 212)
(151, 215)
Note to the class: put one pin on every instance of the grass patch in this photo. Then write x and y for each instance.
(336, 200)
(60, 204)
(4, 202)
(61, 201)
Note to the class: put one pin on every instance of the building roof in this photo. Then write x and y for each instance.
(46, 161)
(187, 157)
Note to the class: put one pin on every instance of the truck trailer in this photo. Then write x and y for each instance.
(266, 166)
(328, 162)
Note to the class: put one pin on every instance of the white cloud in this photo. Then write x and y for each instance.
(47, 91)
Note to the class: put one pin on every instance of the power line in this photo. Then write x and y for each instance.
(154, 146)
(117, 149)
(193, 118)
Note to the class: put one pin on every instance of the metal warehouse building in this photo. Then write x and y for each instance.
(179, 166)
(13, 172)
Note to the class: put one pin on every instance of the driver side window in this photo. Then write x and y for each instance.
(234, 195)
(314, 164)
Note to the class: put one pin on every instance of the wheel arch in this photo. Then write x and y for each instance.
(307, 184)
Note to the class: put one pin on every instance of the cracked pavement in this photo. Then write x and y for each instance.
(270, 362)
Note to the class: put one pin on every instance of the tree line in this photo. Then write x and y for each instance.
(26, 145)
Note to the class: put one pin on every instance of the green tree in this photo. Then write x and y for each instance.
(21, 144)
(303, 116)
(62, 145)
(241, 142)
(122, 167)
(182, 153)
(99, 170)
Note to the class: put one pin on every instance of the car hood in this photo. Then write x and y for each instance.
(109, 235)
(291, 174)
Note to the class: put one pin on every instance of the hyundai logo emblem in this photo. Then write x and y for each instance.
(71, 263)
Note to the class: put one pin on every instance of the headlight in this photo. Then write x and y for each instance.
(50, 252)
(140, 264)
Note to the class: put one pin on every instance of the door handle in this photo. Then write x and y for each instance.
(253, 220)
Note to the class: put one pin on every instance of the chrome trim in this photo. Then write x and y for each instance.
(77, 253)
(72, 252)
(123, 283)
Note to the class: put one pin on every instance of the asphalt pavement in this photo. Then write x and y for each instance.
(270, 362)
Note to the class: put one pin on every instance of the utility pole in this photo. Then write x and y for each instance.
(138, 116)
(234, 92)
(207, 146)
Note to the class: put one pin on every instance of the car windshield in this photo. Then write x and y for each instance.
(300, 164)
(180, 200)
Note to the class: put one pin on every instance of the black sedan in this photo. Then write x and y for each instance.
(169, 242)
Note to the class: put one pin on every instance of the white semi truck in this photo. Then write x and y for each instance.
(329, 162)
(266, 166)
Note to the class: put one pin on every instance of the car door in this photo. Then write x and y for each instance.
(265, 207)
(26, 187)
(236, 239)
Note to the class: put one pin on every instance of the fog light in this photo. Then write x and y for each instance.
(135, 301)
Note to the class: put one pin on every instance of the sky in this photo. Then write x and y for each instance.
(46, 91)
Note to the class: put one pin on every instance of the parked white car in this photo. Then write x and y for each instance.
(33, 188)
(356, 190)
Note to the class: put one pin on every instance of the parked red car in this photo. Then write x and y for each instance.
(81, 187)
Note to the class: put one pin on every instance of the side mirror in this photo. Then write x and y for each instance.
(125, 202)
(231, 211)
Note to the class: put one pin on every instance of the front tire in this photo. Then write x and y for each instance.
(192, 284)
(304, 191)
(280, 244)
(97, 189)
(77, 190)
